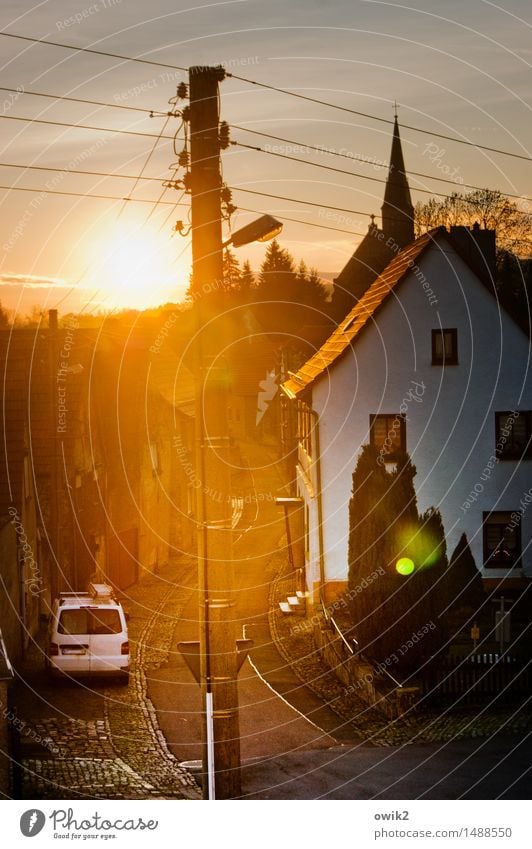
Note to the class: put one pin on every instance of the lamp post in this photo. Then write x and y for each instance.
(219, 659)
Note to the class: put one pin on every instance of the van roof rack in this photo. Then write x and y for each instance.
(101, 592)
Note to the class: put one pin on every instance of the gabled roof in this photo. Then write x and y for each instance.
(360, 315)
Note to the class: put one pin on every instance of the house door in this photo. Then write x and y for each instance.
(122, 566)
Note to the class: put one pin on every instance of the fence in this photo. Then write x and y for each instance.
(474, 678)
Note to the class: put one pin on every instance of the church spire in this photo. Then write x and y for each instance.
(397, 209)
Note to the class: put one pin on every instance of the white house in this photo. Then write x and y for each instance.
(427, 360)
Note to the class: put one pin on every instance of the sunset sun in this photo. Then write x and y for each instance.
(138, 267)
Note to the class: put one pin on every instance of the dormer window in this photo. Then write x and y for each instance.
(445, 347)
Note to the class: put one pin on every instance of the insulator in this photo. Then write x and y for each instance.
(223, 135)
(182, 91)
(183, 159)
(226, 194)
(187, 182)
(185, 113)
(172, 184)
(230, 209)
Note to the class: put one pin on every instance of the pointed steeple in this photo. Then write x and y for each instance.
(397, 209)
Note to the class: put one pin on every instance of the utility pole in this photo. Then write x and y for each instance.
(218, 655)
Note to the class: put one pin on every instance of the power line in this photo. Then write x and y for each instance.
(78, 49)
(269, 87)
(84, 195)
(75, 99)
(331, 152)
(382, 120)
(306, 223)
(252, 147)
(174, 204)
(299, 200)
(317, 148)
(83, 126)
(330, 167)
(146, 162)
(74, 171)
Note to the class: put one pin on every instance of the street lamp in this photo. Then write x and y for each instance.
(263, 229)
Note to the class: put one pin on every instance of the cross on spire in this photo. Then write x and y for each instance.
(395, 108)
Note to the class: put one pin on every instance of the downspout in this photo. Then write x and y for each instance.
(316, 418)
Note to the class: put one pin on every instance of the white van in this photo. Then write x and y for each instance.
(87, 635)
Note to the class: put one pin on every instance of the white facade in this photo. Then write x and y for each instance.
(450, 411)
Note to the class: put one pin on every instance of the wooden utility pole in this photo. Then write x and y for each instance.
(218, 669)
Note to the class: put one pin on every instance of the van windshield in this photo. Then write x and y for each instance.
(85, 621)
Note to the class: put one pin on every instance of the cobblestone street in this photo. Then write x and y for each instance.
(121, 754)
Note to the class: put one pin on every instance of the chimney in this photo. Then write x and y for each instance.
(477, 247)
(52, 319)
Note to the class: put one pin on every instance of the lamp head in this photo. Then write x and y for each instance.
(262, 230)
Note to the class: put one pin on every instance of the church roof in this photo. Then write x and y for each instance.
(397, 191)
(378, 247)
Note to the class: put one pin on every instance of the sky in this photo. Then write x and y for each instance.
(456, 69)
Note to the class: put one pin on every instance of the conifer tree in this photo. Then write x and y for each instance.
(288, 298)
(463, 586)
(247, 278)
(390, 609)
(231, 271)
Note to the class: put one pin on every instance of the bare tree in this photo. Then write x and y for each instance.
(491, 209)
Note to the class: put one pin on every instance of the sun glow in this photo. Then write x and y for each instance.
(137, 266)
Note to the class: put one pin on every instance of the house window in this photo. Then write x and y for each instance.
(513, 435)
(445, 347)
(502, 539)
(387, 433)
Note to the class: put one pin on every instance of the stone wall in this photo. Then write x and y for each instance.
(359, 677)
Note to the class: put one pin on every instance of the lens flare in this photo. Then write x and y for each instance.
(405, 566)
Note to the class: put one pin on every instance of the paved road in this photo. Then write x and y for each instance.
(463, 769)
(284, 755)
(277, 714)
